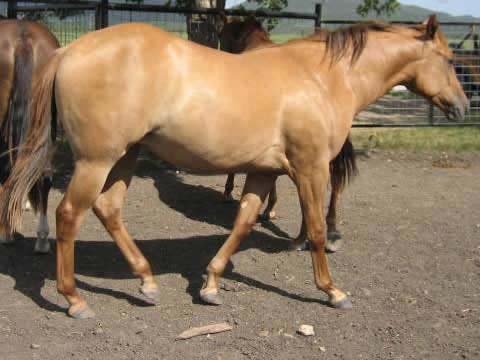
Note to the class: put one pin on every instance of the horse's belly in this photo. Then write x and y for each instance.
(214, 158)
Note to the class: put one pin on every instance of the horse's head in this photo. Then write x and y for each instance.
(235, 35)
(433, 74)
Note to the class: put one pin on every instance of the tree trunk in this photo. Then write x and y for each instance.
(202, 28)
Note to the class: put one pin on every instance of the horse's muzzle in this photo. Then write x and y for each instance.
(456, 112)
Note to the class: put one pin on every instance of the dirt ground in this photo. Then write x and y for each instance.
(411, 262)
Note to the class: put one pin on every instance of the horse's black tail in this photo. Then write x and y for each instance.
(343, 167)
(14, 126)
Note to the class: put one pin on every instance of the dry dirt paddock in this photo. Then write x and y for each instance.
(411, 262)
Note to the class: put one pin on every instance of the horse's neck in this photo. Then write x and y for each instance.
(257, 39)
(385, 62)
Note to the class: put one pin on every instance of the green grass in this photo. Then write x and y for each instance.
(456, 140)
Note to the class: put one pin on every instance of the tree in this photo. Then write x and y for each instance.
(387, 7)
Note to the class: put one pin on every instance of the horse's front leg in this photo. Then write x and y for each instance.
(254, 193)
(311, 184)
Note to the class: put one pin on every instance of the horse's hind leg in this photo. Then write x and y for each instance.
(84, 188)
(334, 238)
(108, 208)
(5, 237)
(255, 190)
(227, 194)
(269, 212)
(42, 245)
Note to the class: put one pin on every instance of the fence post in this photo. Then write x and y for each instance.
(101, 15)
(318, 16)
(12, 9)
(430, 113)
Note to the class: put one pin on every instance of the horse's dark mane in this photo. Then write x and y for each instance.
(348, 40)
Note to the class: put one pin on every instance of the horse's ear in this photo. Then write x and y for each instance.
(431, 26)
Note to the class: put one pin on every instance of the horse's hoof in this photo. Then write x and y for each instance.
(228, 198)
(267, 216)
(343, 304)
(150, 294)
(211, 298)
(42, 246)
(334, 243)
(296, 246)
(334, 235)
(80, 313)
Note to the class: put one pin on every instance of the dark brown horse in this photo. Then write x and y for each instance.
(238, 35)
(25, 47)
(307, 94)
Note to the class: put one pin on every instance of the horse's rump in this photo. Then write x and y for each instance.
(16, 117)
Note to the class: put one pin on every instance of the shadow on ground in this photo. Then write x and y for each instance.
(102, 259)
(196, 202)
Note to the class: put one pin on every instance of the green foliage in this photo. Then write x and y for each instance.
(434, 140)
(387, 7)
(275, 5)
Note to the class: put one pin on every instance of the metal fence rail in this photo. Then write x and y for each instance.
(399, 108)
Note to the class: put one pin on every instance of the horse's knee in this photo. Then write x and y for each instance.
(65, 214)
(109, 215)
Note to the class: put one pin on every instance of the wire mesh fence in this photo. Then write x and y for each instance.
(400, 107)
(3, 8)
(69, 20)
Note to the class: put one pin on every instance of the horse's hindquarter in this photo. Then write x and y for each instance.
(6, 75)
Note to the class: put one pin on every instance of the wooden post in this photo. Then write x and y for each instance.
(12, 9)
(430, 113)
(101, 15)
(318, 14)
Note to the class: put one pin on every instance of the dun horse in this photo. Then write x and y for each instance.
(25, 48)
(277, 110)
(239, 35)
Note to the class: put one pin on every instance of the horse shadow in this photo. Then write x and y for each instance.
(187, 257)
(196, 202)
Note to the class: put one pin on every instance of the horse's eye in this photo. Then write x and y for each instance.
(450, 61)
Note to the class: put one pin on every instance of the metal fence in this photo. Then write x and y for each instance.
(402, 108)
(399, 108)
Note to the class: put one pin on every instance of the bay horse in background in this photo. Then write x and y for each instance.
(238, 35)
(25, 48)
(307, 94)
